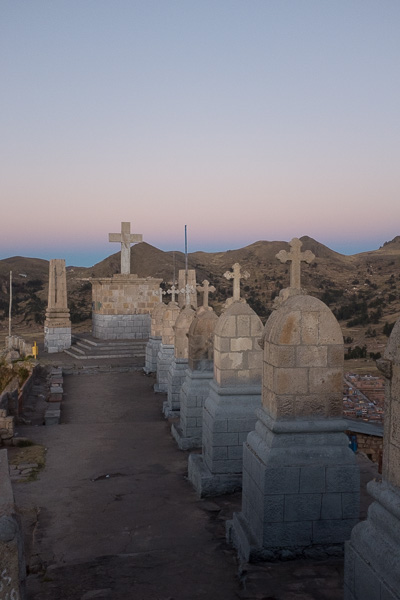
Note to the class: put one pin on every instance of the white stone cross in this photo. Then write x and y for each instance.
(160, 293)
(296, 257)
(174, 292)
(236, 275)
(187, 290)
(206, 289)
(126, 238)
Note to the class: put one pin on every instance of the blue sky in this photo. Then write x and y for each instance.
(245, 120)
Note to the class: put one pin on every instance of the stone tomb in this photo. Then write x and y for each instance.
(199, 374)
(179, 364)
(372, 557)
(57, 326)
(166, 351)
(300, 480)
(235, 393)
(153, 345)
(122, 304)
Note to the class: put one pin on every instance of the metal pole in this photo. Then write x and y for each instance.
(10, 307)
(186, 257)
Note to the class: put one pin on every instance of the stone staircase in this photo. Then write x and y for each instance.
(85, 347)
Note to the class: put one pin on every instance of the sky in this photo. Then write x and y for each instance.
(245, 120)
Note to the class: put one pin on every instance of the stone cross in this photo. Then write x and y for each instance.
(236, 275)
(296, 257)
(187, 290)
(206, 289)
(126, 238)
(174, 292)
(160, 293)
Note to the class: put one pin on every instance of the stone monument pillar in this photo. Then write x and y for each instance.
(199, 374)
(234, 394)
(372, 557)
(300, 479)
(166, 352)
(153, 345)
(57, 326)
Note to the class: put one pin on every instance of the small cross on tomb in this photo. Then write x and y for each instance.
(206, 289)
(187, 290)
(160, 293)
(296, 257)
(125, 238)
(174, 292)
(236, 275)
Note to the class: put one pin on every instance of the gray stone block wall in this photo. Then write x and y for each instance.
(152, 349)
(176, 377)
(229, 414)
(12, 560)
(194, 391)
(57, 339)
(164, 360)
(300, 490)
(121, 327)
(372, 558)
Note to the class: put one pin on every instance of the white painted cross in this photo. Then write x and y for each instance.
(126, 238)
(160, 293)
(174, 292)
(296, 257)
(187, 290)
(206, 289)
(236, 275)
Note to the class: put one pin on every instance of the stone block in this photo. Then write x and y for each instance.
(312, 479)
(325, 380)
(350, 505)
(302, 507)
(343, 479)
(333, 531)
(312, 356)
(284, 480)
(241, 344)
(331, 506)
(310, 328)
(291, 381)
(243, 325)
(287, 534)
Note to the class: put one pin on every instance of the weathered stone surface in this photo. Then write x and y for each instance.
(12, 572)
(122, 306)
(372, 560)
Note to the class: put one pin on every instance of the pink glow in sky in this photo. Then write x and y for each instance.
(243, 120)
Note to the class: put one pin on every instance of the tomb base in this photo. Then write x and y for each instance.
(176, 377)
(301, 490)
(121, 327)
(152, 349)
(164, 359)
(57, 339)
(195, 389)
(229, 415)
(372, 559)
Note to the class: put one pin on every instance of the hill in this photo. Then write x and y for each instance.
(362, 289)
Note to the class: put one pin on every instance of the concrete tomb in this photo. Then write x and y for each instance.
(153, 345)
(179, 364)
(301, 483)
(166, 352)
(372, 556)
(234, 395)
(122, 304)
(199, 374)
(187, 287)
(57, 326)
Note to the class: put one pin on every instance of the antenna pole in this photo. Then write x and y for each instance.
(10, 306)
(186, 257)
